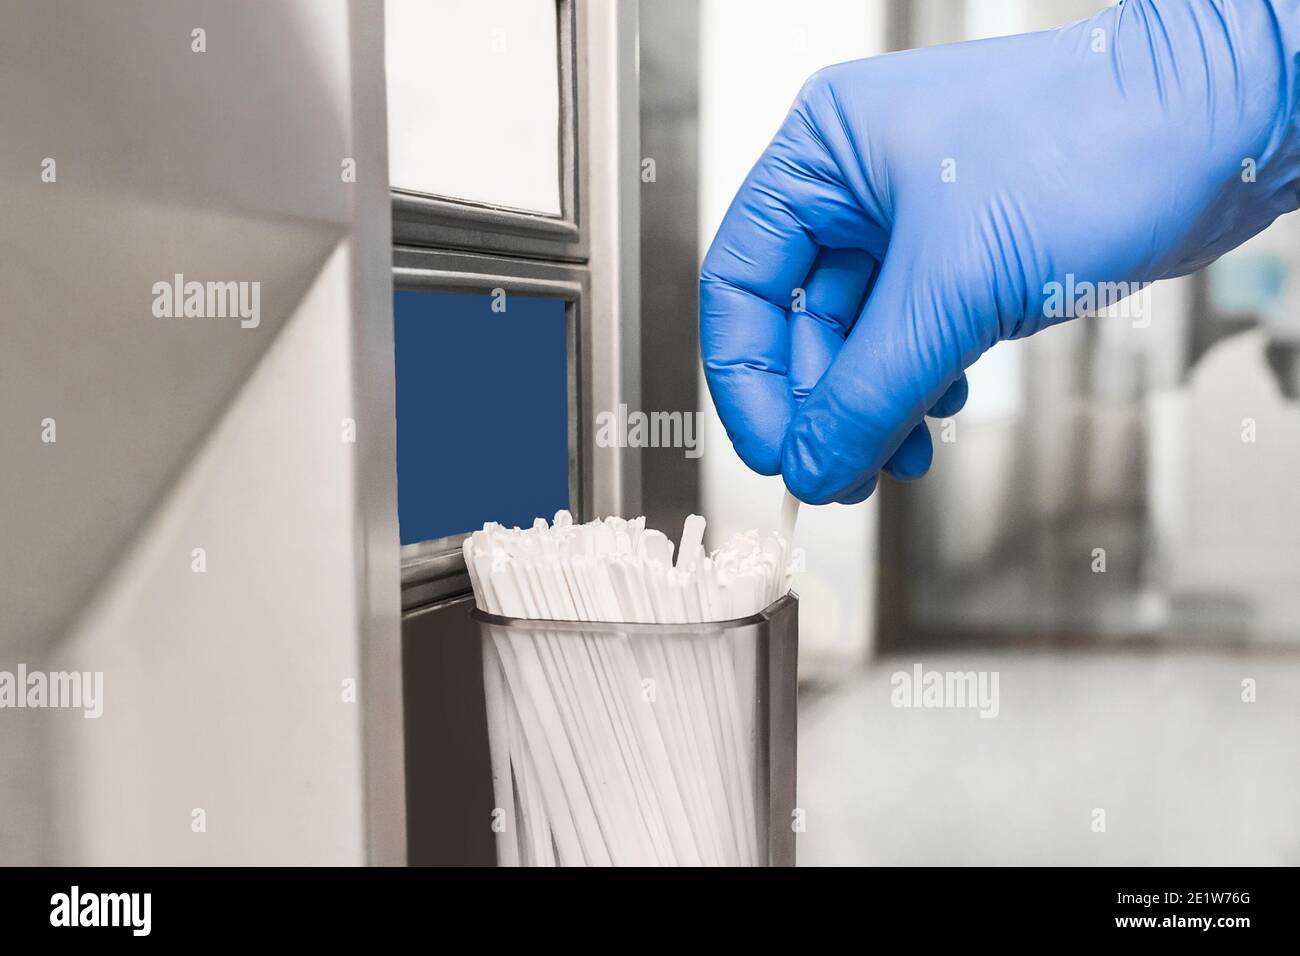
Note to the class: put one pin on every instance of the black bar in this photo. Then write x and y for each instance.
(920, 907)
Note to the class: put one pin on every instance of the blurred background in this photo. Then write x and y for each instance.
(1121, 438)
(478, 225)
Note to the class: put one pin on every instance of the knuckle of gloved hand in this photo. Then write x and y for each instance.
(812, 87)
(816, 88)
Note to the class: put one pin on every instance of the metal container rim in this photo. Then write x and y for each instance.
(777, 607)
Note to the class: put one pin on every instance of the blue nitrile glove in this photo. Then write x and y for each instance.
(917, 206)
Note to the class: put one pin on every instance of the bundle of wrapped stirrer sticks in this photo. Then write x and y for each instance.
(623, 747)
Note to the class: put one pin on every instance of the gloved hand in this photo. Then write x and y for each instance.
(919, 205)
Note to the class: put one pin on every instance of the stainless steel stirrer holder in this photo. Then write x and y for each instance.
(643, 744)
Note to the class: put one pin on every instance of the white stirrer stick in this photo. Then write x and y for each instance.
(567, 697)
(789, 515)
(508, 841)
(628, 843)
(601, 774)
(684, 726)
(617, 761)
(657, 740)
(561, 782)
(698, 705)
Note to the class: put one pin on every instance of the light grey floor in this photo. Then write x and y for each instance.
(1186, 772)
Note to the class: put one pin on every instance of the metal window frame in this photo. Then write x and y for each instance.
(586, 256)
(434, 570)
(446, 244)
(589, 256)
(423, 219)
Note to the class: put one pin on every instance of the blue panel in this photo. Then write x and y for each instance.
(482, 412)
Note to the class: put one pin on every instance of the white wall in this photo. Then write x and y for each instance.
(223, 689)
